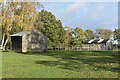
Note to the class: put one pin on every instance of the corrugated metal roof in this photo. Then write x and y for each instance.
(27, 32)
(21, 33)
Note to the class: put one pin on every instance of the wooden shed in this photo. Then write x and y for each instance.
(29, 41)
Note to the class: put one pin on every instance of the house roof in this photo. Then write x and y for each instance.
(86, 41)
(105, 40)
(98, 41)
(101, 40)
(90, 41)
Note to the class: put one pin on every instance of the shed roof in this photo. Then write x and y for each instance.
(21, 33)
(26, 32)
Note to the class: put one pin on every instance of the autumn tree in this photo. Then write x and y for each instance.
(90, 34)
(104, 33)
(16, 16)
(25, 14)
(6, 22)
(68, 37)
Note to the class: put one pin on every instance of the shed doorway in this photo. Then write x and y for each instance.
(16, 43)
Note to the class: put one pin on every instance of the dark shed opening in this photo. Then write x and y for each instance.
(16, 43)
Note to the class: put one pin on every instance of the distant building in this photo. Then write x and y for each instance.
(26, 41)
(115, 43)
(95, 44)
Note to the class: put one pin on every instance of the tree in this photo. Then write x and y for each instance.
(25, 15)
(6, 20)
(80, 36)
(90, 34)
(104, 33)
(51, 27)
(117, 33)
(16, 16)
(68, 37)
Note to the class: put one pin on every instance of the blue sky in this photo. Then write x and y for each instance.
(87, 15)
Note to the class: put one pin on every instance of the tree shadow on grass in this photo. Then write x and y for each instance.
(77, 60)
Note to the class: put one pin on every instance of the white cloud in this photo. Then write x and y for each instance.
(72, 8)
(76, 5)
(98, 11)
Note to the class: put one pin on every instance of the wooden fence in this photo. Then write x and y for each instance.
(82, 48)
(72, 48)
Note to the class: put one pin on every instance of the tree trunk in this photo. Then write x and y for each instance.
(3, 39)
(5, 44)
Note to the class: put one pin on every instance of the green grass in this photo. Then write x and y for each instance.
(0, 64)
(60, 64)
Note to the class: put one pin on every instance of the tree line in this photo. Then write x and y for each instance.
(20, 16)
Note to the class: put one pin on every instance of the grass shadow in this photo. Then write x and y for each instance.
(74, 60)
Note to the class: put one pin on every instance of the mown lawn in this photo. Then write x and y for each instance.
(0, 64)
(60, 64)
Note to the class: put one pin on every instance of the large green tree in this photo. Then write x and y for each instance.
(79, 37)
(117, 33)
(51, 27)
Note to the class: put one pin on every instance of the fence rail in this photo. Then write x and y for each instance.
(70, 48)
(80, 48)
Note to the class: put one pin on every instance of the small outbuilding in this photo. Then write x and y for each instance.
(113, 43)
(95, 44)
(29, 41)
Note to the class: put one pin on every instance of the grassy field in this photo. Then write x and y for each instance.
(0, 64)
(60, 64)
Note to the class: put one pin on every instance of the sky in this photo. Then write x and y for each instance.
(86, 15)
